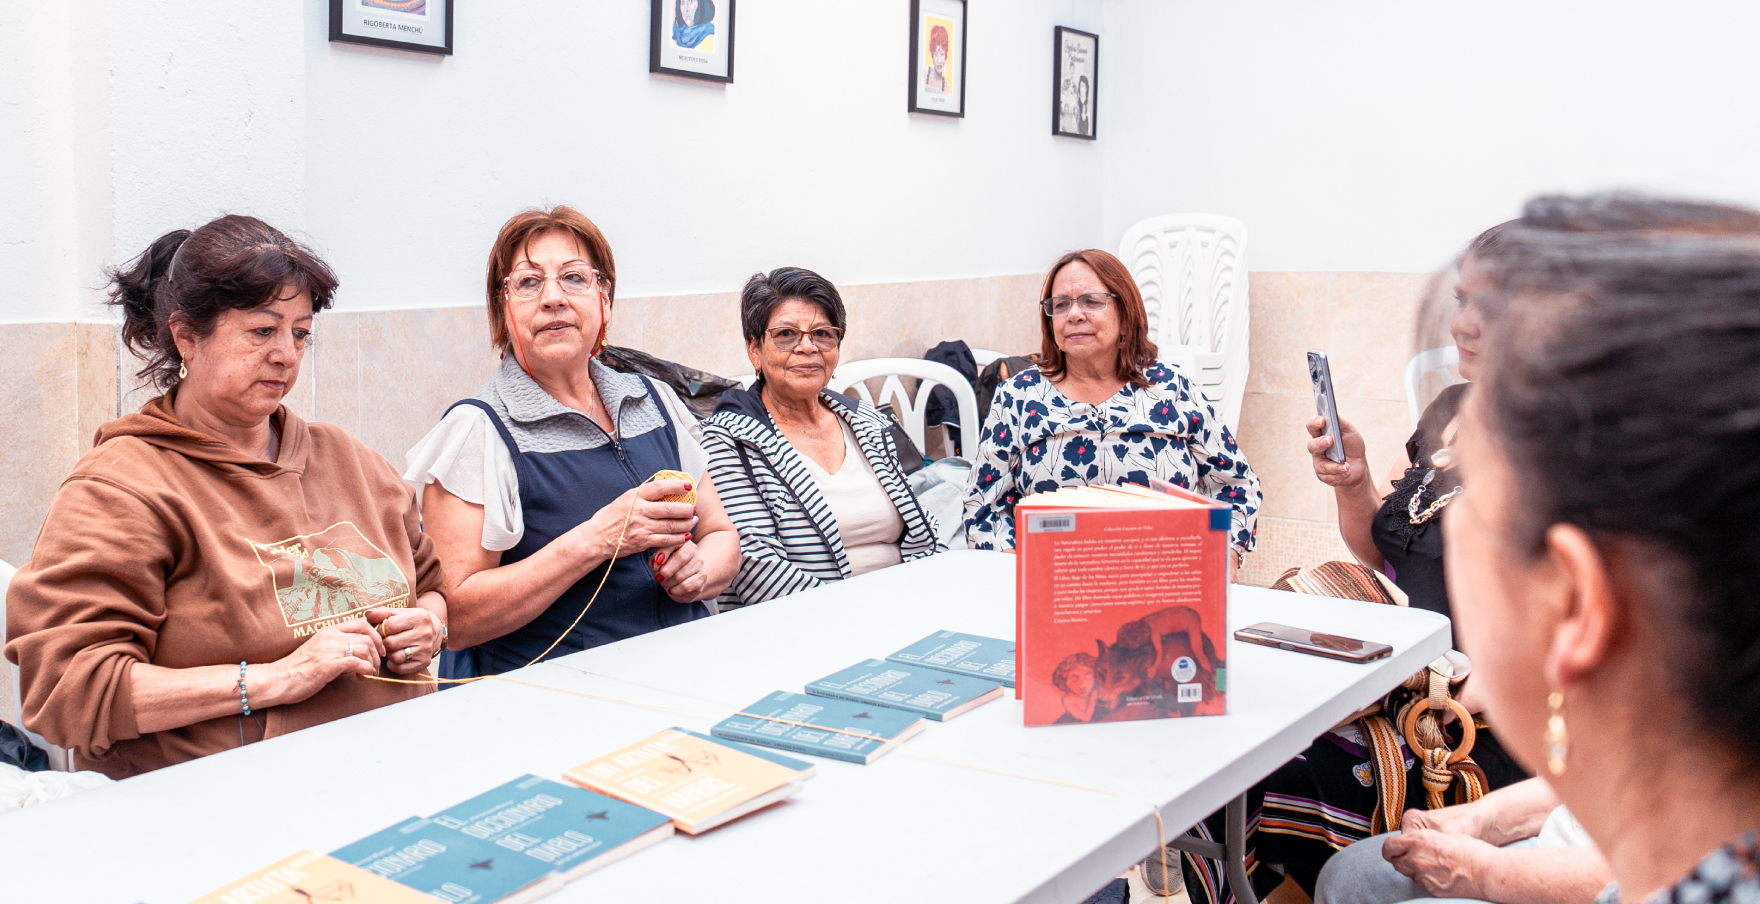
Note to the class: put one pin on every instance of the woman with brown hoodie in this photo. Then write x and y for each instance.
(217, 571)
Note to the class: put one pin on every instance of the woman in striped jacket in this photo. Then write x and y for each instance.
(810, 477)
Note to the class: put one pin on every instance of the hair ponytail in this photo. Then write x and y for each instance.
(135, 289)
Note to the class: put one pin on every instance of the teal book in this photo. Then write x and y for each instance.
(838, 729)
(989, 658)
(927, 692)
(438, 861)
(806, 769)
(569, 830)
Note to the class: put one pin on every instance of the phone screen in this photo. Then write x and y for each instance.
(1326, 402)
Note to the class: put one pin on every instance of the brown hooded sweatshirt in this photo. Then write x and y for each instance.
(172, 547)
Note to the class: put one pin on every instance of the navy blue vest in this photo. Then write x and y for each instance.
(559, 490)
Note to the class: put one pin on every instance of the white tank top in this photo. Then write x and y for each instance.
(867, 519)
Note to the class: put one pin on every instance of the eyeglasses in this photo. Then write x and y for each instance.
(1091, 303)
(825, 338)
(575, 281)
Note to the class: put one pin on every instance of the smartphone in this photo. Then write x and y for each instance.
(1326, 402)
(1302, 640)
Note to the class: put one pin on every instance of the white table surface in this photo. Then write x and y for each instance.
(907, 827)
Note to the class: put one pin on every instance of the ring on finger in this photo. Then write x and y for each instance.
(348, 651)
(409, 654)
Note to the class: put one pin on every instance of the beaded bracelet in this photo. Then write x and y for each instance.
(244, 699)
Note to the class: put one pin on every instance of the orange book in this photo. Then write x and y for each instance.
(1122, 604)
(693, 780)
(306, 877)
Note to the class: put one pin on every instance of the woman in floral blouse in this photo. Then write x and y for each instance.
(1100, 409)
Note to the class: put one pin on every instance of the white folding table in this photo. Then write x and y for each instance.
(907, 826)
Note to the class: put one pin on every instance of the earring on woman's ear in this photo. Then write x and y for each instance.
(182, 370)
(1557, 740)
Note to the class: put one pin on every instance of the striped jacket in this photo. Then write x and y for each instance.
(788, 538)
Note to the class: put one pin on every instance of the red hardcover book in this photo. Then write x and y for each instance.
(1122, 605)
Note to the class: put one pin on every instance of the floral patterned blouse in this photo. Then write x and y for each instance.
(1728, 875)
(1037, 439)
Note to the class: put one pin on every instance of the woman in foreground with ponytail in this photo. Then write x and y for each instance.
(1605, 553)
(217, 571)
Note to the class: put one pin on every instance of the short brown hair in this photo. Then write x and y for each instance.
(1136, 351)
(511, 244)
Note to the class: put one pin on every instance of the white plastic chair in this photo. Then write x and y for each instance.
(985, 356)
(1441, 361)
(58, 758)
(852, 377)
(745, 381)
(1192, 270)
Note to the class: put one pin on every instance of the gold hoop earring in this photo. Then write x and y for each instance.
(1557, 740)
(182, 370)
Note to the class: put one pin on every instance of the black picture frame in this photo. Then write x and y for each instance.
(1061, 71)
(338, 21)
(924, 103)
(657, 34)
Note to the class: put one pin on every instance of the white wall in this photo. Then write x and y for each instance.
(1381, 135)
(124, 120)
(809, 158)
(1371, 135)
(54, 159)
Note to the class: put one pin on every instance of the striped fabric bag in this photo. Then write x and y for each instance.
(1408, 714)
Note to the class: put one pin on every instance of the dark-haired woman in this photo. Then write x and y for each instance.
(537, 489)
(1604, 557)
(810, 477)
(1100, 409)
(217, 571)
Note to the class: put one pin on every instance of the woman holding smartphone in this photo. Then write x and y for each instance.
(1395, 525)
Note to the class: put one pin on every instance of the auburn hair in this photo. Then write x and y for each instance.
(510, 248)
(1136, 351)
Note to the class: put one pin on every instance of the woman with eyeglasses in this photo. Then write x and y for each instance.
(1100, 409)
(536, 490)
(811, 477)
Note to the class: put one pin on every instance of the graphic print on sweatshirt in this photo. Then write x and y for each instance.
(324, 577)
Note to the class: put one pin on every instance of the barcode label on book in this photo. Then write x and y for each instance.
(1191, 693)
(1050, 524)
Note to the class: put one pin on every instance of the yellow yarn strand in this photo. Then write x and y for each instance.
(690, 497)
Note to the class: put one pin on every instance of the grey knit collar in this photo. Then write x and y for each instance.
(528, 403)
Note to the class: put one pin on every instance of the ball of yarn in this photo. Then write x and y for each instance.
(690, 497)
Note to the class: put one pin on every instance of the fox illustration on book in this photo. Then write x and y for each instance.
(1138, 670)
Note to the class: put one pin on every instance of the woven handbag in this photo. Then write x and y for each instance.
(1414, 710)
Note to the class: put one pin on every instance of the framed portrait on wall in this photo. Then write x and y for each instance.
(938, 57)
(1075, 83)
(420, 25)
(692, 38)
